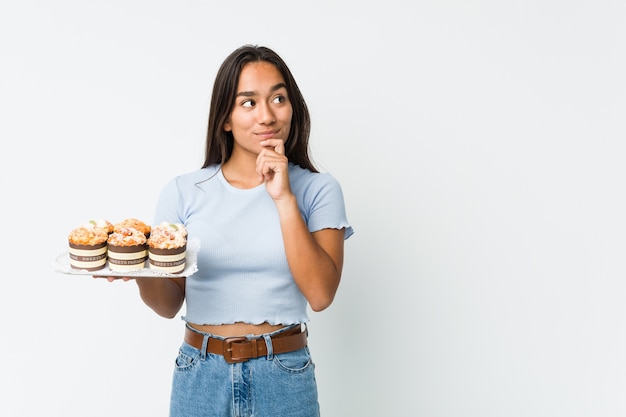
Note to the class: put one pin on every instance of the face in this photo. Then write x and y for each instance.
(262, 108)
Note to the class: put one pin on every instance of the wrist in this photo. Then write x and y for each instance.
(287, 202)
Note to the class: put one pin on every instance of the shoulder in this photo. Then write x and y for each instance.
(314, 186)
(303, 178)
(196, 177)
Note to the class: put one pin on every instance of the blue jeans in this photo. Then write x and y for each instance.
(281, 385)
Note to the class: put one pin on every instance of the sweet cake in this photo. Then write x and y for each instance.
(100, 224)
(135, 224)
(127, 249)
(88, 245)
(167, 248)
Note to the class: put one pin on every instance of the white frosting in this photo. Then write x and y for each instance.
(168, 235)
(93, 224)
(176, 228)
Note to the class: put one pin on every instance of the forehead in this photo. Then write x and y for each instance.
(256, 76)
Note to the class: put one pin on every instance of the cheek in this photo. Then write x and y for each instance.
(240, 122)
(287, 116)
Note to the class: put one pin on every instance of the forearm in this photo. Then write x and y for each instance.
(163, 295)
(315, 271)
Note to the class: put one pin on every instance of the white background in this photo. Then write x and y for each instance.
(480, 146)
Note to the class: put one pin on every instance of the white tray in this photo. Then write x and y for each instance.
(62, 265)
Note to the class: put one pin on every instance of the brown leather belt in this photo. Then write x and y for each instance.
(240, 348)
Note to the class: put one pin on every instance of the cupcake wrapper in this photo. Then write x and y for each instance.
(167, 260)
(88, 257)
(127, 258)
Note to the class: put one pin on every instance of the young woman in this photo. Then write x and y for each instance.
(272, 231)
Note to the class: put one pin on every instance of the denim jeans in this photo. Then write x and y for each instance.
(281, 385)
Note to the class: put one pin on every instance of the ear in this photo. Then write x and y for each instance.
(227, 127)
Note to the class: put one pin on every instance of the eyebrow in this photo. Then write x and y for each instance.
(252, 93)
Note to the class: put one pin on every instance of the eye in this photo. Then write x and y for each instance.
(248, 103)
(279, 99)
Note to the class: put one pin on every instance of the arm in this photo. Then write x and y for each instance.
(163, 295)
(315, 259)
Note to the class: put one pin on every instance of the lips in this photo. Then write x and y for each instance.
(267, 135)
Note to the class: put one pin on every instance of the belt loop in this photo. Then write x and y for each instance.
(270, 347)
(203, 350)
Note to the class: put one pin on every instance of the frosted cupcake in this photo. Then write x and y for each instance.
(167, 248)
(88, 247)
(100, 224)
(135, 224)
(127, 249)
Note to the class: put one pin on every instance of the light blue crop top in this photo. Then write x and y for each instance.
(242, 268)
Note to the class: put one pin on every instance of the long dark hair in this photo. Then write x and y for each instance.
(219, 143)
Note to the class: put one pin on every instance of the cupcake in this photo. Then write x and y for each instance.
(127, 249)
(88, 246)
(100, 224)
(135, 224)
(167, 248)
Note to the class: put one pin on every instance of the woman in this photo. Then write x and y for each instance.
(272, 231)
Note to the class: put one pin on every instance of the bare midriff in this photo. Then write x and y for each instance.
(236, 329)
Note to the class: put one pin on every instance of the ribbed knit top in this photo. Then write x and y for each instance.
(243, 274)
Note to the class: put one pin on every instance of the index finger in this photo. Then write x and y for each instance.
(277, 144)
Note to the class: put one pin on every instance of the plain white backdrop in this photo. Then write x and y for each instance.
(480, 146)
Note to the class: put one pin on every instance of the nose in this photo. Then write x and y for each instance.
(265, 114)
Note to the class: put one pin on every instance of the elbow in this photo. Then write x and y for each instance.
(321, 295)
(318, 308)
(321, 303)
(169, 316)
(165, 313)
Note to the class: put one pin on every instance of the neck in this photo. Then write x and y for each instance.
(240, 171)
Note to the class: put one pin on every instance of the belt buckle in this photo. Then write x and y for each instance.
(227, 349)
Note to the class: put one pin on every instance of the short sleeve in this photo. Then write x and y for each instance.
(326, 205)
(168, 204)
